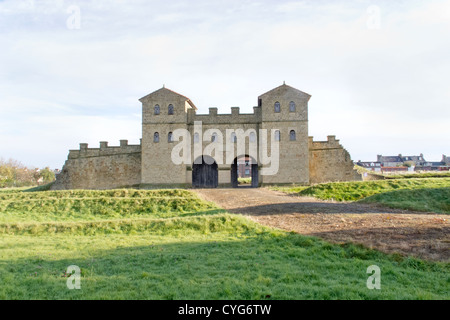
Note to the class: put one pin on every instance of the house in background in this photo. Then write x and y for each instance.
(370, 165)
(443, 165)
(446, 160)
(390, 161)
(411, 163)
(244, 167)
(419, 161)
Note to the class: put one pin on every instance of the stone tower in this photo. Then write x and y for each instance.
(285, 110)
(163, 111)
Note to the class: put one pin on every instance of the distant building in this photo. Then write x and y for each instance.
(390, 161)
(435, 166)
(244, 167)
(418, 160)
(394, 169)
(417, 163)
(446, 160)
(370, 165)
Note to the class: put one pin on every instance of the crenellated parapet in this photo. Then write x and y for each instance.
(331, 143)
(235, 117)
(330, 161)
(104, 150)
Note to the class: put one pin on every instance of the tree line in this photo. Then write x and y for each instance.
(15, 174)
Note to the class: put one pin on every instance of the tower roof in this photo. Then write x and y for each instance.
(166, 91)
(284, 88)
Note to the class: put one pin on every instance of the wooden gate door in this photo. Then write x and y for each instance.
(255, 181)
(234, 175)
(205, 175)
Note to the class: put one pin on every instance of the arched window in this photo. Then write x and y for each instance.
(292, 135)
(157, 109)
(292, 106)
(196, 137)
(252, 137)
(170, 109)
(277, 135)
(156, 137)
(233, 137)
(277, 107)
(170, 137)
(214, 137)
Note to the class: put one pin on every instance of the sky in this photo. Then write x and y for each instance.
(72, 71)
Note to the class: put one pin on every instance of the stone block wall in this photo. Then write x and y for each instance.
(330, 162)
(294, 154)
(101, 168)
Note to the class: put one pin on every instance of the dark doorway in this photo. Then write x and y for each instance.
(205, 173)
(244, 172)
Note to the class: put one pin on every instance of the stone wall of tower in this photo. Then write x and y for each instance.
(294, 154)
(157, 165)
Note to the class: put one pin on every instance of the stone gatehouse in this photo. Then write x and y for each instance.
(211, 147)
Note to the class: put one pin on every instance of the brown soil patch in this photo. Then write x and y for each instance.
(423, 235)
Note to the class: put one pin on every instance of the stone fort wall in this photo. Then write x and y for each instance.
(101, 168)
(302, 160)
(115, 167)
(330, 162)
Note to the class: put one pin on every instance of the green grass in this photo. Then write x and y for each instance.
(435, 174)
(78, 205)
(244, 180)
(293, 189)
(424, 199)
(45, 187)
(206, 254)
(353, 191)
(421, 194)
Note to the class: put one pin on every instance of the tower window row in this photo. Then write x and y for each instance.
(252, 137)
(156, 137)
(292, 107)
(292, 135)
(170, 109)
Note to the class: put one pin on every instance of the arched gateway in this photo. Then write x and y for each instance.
(244, 167)
(205, 173)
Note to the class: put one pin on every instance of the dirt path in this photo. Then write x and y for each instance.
(424, 235)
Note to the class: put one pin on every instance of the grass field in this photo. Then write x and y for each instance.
(405, 174)
(434, 174)
(169, 244)
(422, 194)
(423, 199)
(244, 180)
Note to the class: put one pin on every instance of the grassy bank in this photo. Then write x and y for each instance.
(78, 205)
(138, 253)
(422, 175)
(423, 194)
(424, 199)
(352, 191)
